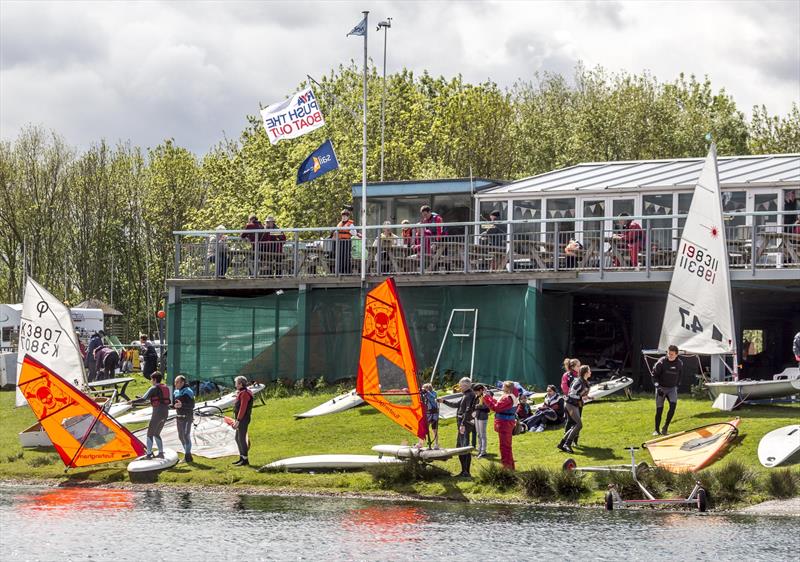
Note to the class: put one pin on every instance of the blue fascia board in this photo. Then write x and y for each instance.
(410, 188)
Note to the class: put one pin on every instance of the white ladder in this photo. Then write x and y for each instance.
(464, 333)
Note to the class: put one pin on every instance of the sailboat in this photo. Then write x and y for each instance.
(699, 312)
(387, 372)
(48, 335)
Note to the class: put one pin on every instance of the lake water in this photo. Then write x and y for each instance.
(51, 524)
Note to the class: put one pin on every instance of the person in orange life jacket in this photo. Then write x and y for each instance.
(431, 414)
(242, 410)
(631, 233)
(344, 233)
(571, 367)
(577, 392)
(407, 234)
(666, 377)
(183, 398)
(548, 411)
(158, 396)
(505, 419)
(464, 420)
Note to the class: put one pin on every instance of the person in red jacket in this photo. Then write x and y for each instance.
(632, 235)
(570, 372)
(241, 415)
(505, 418)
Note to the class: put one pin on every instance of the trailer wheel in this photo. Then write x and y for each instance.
(609, 503)
(702, 500)
(569, 465)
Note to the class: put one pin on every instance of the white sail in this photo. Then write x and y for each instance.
(699, 313)
(47, 334)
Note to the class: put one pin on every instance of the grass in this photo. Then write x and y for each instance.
(609, 426)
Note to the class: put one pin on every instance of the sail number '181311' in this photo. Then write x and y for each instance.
(698, 261)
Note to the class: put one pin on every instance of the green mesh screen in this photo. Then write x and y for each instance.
(522, 335)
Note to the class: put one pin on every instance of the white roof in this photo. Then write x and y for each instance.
(781, 170)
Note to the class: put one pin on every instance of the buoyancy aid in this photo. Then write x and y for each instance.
(343, 232)
(507, 414)
(161, 397)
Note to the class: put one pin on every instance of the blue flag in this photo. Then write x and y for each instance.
(319, 162)
(360, 28)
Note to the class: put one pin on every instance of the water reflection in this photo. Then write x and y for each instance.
(385, 523)
(66, 501)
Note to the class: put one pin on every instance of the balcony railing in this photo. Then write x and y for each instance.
(480, 248)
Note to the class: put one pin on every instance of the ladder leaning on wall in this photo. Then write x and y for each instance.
(464, 332)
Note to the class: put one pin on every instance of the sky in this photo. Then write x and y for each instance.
(193, 71)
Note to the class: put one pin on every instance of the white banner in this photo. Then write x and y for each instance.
(292, 118)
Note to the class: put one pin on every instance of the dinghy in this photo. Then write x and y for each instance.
(334, 405)
(778, 445)
(603, 389)
(693, 449)
(330, 462)
(406, 452)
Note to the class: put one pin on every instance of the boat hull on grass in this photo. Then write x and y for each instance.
(406, 452)
(334, 405)
(756, 390)
(603, 389)
(691, 450)
(778, 445)
(330, 462)
(145, 465)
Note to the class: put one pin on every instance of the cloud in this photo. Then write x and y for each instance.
(190, 70)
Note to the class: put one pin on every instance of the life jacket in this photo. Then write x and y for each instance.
(344, 233)
(431, 405)
(508, 414)
(238, 405)
(575, 397)
(162, 397)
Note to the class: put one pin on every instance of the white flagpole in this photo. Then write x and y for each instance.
(364, 162)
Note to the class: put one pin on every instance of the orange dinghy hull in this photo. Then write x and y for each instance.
(691, 450)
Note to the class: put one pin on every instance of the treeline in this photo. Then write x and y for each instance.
(86, 223)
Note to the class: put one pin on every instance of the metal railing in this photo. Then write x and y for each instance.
(755, 241)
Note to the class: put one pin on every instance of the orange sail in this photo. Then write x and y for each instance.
(387, 371)
(82, 433)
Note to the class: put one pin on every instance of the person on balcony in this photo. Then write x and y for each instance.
(272, 249)
(253, 237)
(343, 236)
(387, 240)
(495, 235)
(217, 251)
(631, 234)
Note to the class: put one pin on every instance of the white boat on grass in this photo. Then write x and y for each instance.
(335, 405)
(330, 462)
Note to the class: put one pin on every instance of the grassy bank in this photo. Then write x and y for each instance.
(610, 425)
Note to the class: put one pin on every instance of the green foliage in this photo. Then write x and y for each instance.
(731, 483)
(782, 483)
(535, 483)
(497, 476)
(569, 484)
(387, 476)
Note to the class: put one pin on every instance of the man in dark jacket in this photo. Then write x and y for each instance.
(666, 377)
(106, 362)
(94, 342)
(149, 356)
(465, 421)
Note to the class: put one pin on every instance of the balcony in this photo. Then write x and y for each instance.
(513, 251)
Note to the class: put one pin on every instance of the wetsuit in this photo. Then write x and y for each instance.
(158, 396)
(466, 426)
(505, 418)
(666, 376)
(241, 412)
(574, 401)
(184, 418)
(149, 358)
(566, 382)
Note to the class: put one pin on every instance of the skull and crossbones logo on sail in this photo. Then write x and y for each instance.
(45, 398)
(380, 323)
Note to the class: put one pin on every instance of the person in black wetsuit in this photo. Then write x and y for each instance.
(574, 401)
(465, 421)
(149, 356)
(183, 398)
(158, 396)
(666, 377)
(241, 415)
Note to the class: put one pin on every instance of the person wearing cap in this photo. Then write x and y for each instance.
(495, 235)
(272, 247)
(505, 419)
(149, 356)
(217, 251)
(344, 233)
(465, 420)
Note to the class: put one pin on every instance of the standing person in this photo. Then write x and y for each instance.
(505, 418)
(242, 410)
(407, 234)
(796, 347)
(464, 421)
(158, 396)
(149, 356)
(571, 367)
(431, 414)
(254, 238)
(666, 377)
(574, 402)
(273, 247)
(481, 420)
(183, 399)
(344, 233)
(495, 235)
(106, 361)
(630, 233)
(94, 342)
(217, 251)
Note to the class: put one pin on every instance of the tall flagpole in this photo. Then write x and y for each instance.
(364, 162)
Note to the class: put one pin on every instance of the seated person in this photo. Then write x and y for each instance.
(549, 412)
(495, 235)
(523, 408)
(387, 238)
(571, 251)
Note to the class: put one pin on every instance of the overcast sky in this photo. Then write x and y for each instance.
(146, 71)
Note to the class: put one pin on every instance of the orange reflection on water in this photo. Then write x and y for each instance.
(69, 500)
(386, 523)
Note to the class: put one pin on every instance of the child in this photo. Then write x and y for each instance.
(158, 396)
(481, 420)
(523, 409)
(431, 413)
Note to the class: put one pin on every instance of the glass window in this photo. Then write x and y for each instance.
(592, 229)
(660, 229)
(407, 208)
(619, 206)
(562, 209)
(528, 210)
(735, 202)
(488, 206)
(684, 202)
(766, 203)
(453, 208)
(790, 203)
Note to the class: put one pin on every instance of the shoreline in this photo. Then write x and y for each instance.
(789, 507)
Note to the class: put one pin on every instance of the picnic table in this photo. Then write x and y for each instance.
(106, 387)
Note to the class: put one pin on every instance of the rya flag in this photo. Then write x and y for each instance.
(291, 118)
(319, 162)
(360, 28)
